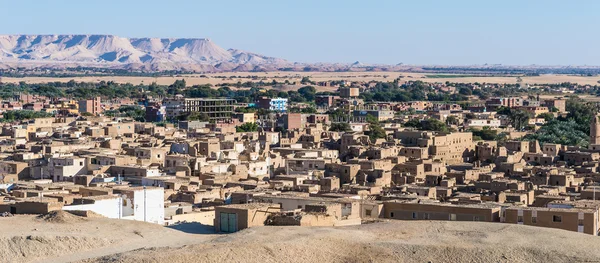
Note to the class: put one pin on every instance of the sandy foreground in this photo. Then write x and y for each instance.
(67, 238)
(234, 77)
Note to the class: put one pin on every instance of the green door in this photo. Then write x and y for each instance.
(224, 222)
(228, 222)
(232, 223)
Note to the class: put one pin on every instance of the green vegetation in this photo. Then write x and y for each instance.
(135, 112)
(547, 116)
(307, 110)
(306, 80)
(247, 127)
(519, 119)
(375, 129)
(340, 127)
(245, 110)
(19, 115)
(451, 120)
(573, 129)
(484, 134)
(562, 132)
(194, 116)
(447, 76)
(428, 125)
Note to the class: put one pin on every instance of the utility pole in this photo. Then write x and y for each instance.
(145, 203)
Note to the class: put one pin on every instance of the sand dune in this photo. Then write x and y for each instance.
(397, 241)
(67, 238)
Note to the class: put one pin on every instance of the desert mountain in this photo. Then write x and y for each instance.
(119, 52)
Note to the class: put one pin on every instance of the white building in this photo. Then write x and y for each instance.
(64, 168)
(143, 204)
(472, 123)
(136, 203)
(105, 205)
(278, 104)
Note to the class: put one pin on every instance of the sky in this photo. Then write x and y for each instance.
(422, 32)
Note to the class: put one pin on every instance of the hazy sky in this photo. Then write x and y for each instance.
(519, 32)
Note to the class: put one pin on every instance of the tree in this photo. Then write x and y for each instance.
(547, 116)
(414, 123)
(176, 87)
(560, 132)
(194, 116)
(580, 112)
(306, 80)
(375, 129)
(308, 92)
(519, 119)
(376, 132)
(371, 119)
(247, 127)
(428, 125)
(19, 115)
(340, 127)
(465, 91)
(245, 110)
(451, 120)
(485, 134)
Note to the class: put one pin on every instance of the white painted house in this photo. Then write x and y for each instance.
(135, 203)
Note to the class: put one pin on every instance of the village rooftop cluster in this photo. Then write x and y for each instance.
(292, 168)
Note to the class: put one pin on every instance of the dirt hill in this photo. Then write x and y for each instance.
(63, 237)
(399, 241)
(67, 238)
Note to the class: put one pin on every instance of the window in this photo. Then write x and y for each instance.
(452, 217)
(80, 163)
(557, 219)
(519, 219)
(580, 222)
(299, 207)
(534, 220)
(368, 212)
(414, 215)
(392, 214)
(426, 216)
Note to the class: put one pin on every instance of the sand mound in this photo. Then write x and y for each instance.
(60, 217)
(88, 214)
(63, 237)
(31, 247)
(382, 242)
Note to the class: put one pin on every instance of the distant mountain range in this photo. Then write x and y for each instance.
(197, 55)
(110, 51)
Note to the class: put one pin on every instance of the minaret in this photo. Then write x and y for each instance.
(595, 130)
